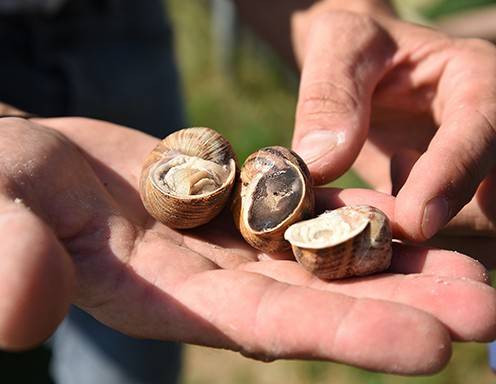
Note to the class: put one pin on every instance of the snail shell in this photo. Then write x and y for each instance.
(349, 241)
(275, 191)
(187, 179)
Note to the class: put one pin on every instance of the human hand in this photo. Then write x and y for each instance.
(73, 229)
(472, 231)
(415, 97)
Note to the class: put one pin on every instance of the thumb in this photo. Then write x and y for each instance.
(36, 278)
(346, 55)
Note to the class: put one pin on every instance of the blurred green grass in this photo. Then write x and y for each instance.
(446, 7)
(255, 108)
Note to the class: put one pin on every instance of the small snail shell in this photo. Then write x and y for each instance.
(349, 241)
(275, 191)
(187, 179)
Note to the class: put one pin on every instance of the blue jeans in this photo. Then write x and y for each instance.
(112, 60)
(85, 351)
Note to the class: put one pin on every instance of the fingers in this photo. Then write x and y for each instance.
(410, 259)
(480, 248)
(276, 320)
(446, 264)
(172, 293)
(36, 279)
(406, 260)
(473, 221)
(337, 82)
(462, 152)
(429, 279)
(477, 218)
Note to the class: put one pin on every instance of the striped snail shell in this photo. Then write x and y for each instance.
(275, 191)
(346, 242)
(188, 178)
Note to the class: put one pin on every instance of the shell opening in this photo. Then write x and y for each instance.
(276, 195)
(190, 176)
(327, 230)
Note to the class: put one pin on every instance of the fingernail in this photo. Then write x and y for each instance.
(436, 215)
(317, 144)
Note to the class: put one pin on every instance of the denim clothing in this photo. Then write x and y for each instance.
(87, 352)
(111, 60)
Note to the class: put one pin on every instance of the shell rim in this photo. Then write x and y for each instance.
(330, 244)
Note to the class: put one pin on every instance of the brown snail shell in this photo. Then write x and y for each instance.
(275, 191)
(349, 241)
(188, 178)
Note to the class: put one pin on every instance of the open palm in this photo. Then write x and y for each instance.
(74, 230)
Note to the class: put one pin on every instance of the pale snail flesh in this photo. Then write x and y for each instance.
(275, 191)
(346, 242)
(188, 178)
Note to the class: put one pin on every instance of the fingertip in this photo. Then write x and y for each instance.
(418, 220)
(480, 327)
(408, 211)
(439, 348)
(435, 215)
(436, 352)
(428, 339)
(412, 259)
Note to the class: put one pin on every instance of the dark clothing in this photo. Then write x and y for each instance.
(107, 59)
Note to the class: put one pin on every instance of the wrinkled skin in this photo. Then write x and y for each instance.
(414, 111)
(74, 230)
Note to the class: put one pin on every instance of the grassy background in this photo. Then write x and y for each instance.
(255, 108)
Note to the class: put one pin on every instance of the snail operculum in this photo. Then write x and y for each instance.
(349, 241)
(188, 178)
(275, 191)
